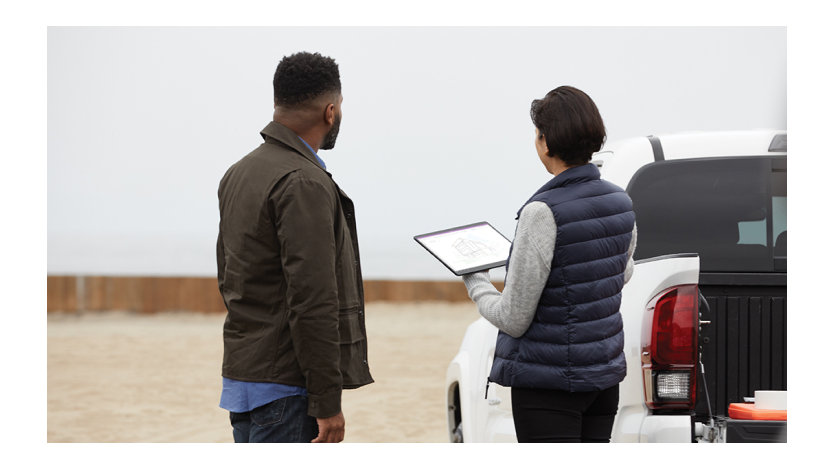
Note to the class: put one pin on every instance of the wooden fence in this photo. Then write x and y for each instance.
(200, 294)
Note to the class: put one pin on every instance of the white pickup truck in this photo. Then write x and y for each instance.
(704, 312)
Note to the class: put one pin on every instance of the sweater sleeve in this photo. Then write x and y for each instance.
(513, 309)
(630, 266)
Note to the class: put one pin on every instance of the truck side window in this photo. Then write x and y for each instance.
(731, 211)
(780, 218)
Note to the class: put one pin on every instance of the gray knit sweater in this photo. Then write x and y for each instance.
(513, 310)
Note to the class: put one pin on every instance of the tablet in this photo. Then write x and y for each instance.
(467, 249)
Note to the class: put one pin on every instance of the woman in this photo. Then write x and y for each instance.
(560, 344)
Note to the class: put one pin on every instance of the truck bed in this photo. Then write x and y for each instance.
(744, 348)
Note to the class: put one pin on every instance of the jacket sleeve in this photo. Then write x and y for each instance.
(221, 262)
(304, 212)
(221, 255)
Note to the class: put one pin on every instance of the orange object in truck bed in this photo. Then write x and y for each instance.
(749, 411)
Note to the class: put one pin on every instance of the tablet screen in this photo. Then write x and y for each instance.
(467, 249)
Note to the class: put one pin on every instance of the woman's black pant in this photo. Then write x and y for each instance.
(557, 416)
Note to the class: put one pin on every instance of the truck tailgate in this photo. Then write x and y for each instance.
(744, 347)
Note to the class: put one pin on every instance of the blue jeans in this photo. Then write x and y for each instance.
(283, 420)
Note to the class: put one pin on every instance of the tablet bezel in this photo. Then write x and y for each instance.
(474, 269)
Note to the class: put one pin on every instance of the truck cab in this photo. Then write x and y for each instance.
(704, 314)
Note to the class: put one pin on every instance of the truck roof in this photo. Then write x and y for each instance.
(619, 160)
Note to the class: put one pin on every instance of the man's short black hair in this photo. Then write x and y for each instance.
(571, 124)
(304, 76)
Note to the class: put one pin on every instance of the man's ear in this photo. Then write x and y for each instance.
(330, 114)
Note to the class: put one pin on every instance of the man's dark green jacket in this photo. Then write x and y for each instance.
(288, 270)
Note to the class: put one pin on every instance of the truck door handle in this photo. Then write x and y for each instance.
(704, 322)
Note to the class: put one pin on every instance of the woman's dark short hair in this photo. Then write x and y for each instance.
(571, 124)
(304, 76)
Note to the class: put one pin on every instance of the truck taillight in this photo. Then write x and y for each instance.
(670, 348)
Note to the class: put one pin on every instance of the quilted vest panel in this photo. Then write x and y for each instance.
(575, 342)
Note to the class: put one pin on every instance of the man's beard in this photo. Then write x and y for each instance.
(330, 139)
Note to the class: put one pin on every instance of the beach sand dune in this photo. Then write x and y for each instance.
(119, 377)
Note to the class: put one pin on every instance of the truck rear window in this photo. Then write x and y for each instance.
(731, 211)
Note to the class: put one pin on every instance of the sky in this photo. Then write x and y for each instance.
(142, 122)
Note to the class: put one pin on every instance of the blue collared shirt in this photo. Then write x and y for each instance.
(321, 162)
(242, 397)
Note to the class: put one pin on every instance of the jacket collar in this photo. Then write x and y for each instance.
(577, 174)
(277, 132)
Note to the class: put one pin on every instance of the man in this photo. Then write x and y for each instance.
(288, 269)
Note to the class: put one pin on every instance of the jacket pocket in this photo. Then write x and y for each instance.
(349, 278)
(350, 327)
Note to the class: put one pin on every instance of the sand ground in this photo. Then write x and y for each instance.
(119, 377)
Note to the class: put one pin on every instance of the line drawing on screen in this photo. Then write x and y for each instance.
(468, 248)
(473, 248)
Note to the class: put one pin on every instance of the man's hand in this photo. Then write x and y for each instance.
(331, 429)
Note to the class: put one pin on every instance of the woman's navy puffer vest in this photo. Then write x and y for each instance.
(575, 342)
